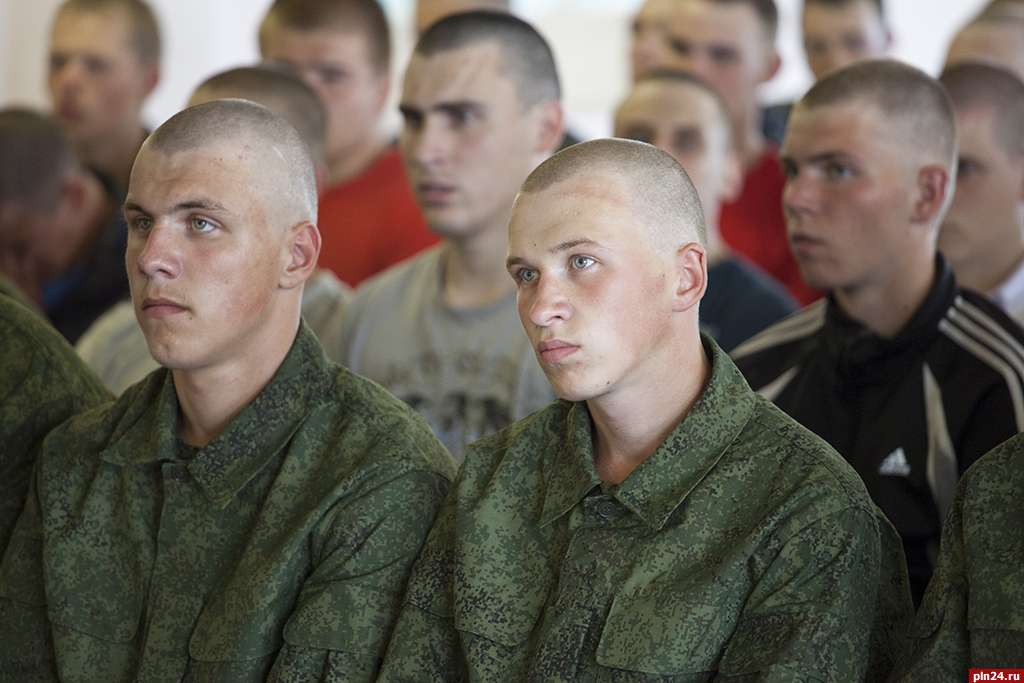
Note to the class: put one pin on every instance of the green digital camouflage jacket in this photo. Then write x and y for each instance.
(973, 612)
(42, 383)
(744, 546)
(279, 551)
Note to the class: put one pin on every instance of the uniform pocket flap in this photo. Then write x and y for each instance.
(509, 628)
(657, 634)
(112, 618)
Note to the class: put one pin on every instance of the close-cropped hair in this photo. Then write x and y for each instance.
(683, 77)
(36, 157)
(366, 17)
(145, 28)
(767, 11)
(279, 88)
(877, 4)
(1001, 10)
(903, 94)
(527, 58)
(975, 84)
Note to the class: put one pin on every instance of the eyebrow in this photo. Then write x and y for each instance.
(187, 205)
(557, 249)
(444, 107)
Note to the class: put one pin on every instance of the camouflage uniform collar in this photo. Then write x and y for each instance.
(256, 435)
(661, 483)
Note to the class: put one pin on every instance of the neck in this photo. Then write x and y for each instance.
(209, 399)
(988, 273)
(885, 307)
(630, 424)
(113, 155)
(748, 138)
(356, 159)
(474, 269)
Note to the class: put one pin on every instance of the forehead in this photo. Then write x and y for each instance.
(976, 124)
(705, 21)
(230, 173)
(854, 128)
(321, 44)
(106, 31)
(670, 103)
(857, 13)
(596, 203)
(475, 73)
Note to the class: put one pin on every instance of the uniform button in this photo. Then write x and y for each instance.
(606, 509)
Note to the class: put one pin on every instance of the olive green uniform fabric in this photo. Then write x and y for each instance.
(973, 611)
(744, 546)
(42, 383)
(279, 551)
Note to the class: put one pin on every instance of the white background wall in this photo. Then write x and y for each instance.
(589, 36)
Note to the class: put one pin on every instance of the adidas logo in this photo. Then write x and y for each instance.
(895, 464)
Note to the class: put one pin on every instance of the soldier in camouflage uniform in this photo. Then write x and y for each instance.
(973, 611)
(662, 522)
(249, 512)
(42, 383)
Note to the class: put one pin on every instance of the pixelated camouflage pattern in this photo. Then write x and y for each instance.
(42, 384)
(743, 547)
(973, 611)
(279, 551)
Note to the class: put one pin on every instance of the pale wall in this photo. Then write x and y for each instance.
(204, 36)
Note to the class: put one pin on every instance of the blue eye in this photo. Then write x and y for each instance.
(141, 223)
(201, 225)
(581, 262)
(835, 171)
(526, 275)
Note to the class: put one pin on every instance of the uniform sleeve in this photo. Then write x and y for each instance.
(939, 642)
(425, 644)
(347, 607)
(26, 646)
(810, 616)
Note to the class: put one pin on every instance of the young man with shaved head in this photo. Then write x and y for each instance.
(342, 49)
(680, 114)
(661, 520)
(840, 32)
(62, 236)
(995, 36)
(429, 11)
(908, 376)
(104, 61)
(251, 511)
(481, 103)
(982, 235)
(730, 44)
(114, 345)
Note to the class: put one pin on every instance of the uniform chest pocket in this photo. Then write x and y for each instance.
(662, 636)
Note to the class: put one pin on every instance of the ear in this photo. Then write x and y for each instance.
(732, 177)
(691, 271)
(933, 187)
(383, 88)
(772, 66)
(550, 127)
(150, 79)
(303, 252)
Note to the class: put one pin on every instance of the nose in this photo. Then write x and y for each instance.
(67, 76)
(548, 304)
(427, 144)
(800, 195)
(156, 253)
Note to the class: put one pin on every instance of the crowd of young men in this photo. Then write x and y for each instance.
(520, 449)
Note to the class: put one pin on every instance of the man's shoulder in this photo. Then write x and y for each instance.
(774, 447)
(775, 350)
(369, 422)
(519, 452)
(32, 346)
(992, 484)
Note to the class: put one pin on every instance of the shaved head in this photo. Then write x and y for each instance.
(662, 192)
(909, 99)
(278, 88)
(252, 132)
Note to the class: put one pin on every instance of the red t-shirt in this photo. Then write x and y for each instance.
(371, 221)
(753, 225)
